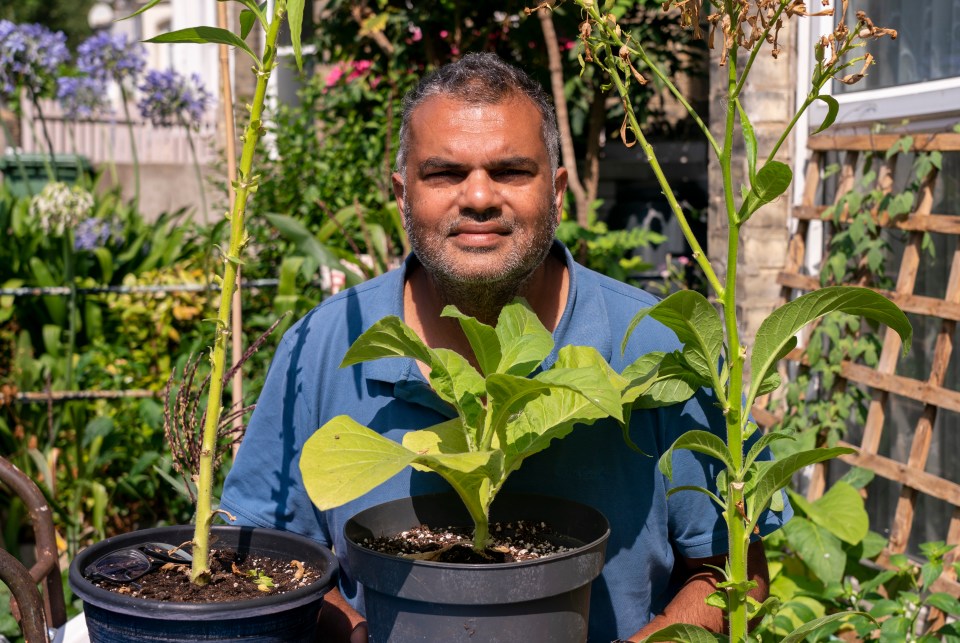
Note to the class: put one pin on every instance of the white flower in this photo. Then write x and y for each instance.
(61, 207)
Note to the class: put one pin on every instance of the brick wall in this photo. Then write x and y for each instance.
(769, 98)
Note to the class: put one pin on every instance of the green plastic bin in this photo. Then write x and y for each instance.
(69, 168)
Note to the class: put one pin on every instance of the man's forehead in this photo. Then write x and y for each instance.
(509, 107)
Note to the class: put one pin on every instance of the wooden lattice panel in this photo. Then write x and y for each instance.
(882, 382)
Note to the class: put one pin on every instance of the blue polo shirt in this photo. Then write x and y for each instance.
(305, 388)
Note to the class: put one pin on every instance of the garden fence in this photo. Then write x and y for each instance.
(107, 140)
(912, 429)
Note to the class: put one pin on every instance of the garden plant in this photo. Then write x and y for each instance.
(247, 183)
(490, 437)
(714, 355)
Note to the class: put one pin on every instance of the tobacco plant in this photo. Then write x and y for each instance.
(503, 415)
(714, 355)
(245, 184)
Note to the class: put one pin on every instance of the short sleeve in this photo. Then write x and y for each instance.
(264, 487)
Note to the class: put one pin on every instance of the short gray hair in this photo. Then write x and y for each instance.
(481, 78)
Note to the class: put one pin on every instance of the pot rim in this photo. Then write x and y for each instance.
(173, 610)
(518, 496)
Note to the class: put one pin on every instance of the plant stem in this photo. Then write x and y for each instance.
(679, 96)
(51, 162)
(133, 147)
(245, 181)
(196, 168)
(698, 254)
(8, 137)
(73, 539)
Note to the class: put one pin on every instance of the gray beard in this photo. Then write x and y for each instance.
(482, 297)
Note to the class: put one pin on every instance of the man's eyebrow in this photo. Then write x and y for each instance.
(515, 162)
(438, 163)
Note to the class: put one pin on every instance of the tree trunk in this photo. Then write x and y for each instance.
(581, 202)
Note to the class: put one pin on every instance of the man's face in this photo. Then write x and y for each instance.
(478, 199)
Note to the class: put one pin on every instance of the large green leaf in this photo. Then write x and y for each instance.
(777, 330)
(446, 437)
(833, 108)
(295, 20)
(771, 181)
(804, 630)
(312, 247)
(482, 337)
(473, 475)
(507, 393)
(202, 35)
(778, 474)
(674, 383)
(591, 383)
(7, 302)
(944, 602)
(459, 383)
(545, 418)
(699, 441)
(640, 376)
(389, 337)
(696, 324)
(761, 444)
(841, 512)
(55, 305)
(818, 548)
(683, 633)
(749, 141)
(247, 20)
(343, 460)
(524, 342)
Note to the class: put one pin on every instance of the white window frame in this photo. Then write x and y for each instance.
(934, 100)
(859, 111)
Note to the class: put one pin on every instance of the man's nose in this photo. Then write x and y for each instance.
(480, 193)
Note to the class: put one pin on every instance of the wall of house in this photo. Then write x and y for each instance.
(769, 97)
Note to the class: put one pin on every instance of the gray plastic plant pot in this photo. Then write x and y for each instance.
(116, 618)
(539, 600)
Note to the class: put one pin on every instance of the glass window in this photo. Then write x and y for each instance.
(928, 46)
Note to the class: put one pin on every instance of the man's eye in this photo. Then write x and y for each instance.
(512, 173)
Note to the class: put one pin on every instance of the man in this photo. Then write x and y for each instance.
(481, 194)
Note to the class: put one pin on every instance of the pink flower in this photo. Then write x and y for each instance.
(444, 33)
(334, 76)
(454, 51)
(416, 34)
(682, 260)
(360, 67)
(375, 81)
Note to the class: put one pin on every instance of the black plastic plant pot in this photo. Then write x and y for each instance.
(116, 618)
(547, 599)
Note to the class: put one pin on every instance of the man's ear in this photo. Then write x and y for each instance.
(560, 188)
(398, 192)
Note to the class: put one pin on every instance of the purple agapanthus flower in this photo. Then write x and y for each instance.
(94, 233)
(30, 56)
(169, 99)
(81, 97)
(106, 56)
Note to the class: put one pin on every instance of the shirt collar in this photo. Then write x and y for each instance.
(408, 381)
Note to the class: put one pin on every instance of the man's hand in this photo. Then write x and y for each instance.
(688, 605)
(339, 622)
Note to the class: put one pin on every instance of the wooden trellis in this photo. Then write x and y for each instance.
(882, 383)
